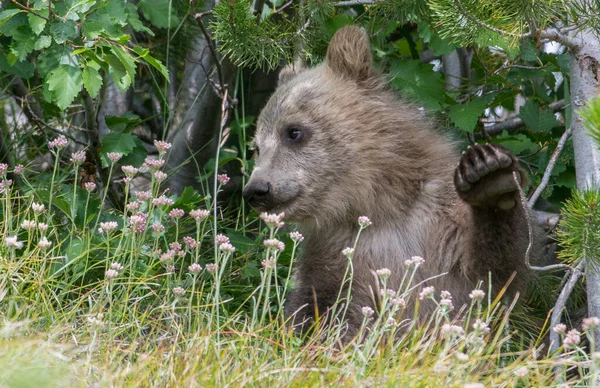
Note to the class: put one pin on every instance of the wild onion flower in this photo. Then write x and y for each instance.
(561, 328)
(160, 176)
(199, 214)
(44, 243)
(134, 205)
(190, 242)
(269, 263)
(426, 292)
(114, 156)
(451, 330)
(89, 186)
(175, 246)
(162, 146)
(19, 169)
(481, 326)
(28, 225)
(274, 244)
(162, 201)
(129, 171)
(273, 220)
(572, 339)
(383, 273)
(367, 311)
(38, 207)
(13, 242)
(398, 302)
(477, 295)
(414, 261)
(387, 292)
(227, 248)
(42, 226)
(223, 179)
(78, 157)
(158, 228)
(348, 252)
(111, 274)
(138, 222)
(108, 226)
(143, 195)
(3, 168)
(176, 213)
(296, 237)
(154, 164)
(117, 266)
(211, 268)
(221, 239)
(590, 323)
(178, 291)
(364, 221)
(58, 143)
(168, 255)
(195, 268)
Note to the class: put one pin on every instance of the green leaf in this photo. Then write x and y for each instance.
(37, 23)
(7, 15)
(43, 42)
(157, 12)
(124, 123)
(536, 117)
(22, 69)
(23, 43)
(122, 143)
(65, 84)
(127, 61)
(137, 156)
(528, 50)
(145, 54)
(63, 31)
(241, 243)
(517, 144)
(465, 116)
(134, 20)
(118, 71)
(419, 83)
(92, 81)
(53, 57)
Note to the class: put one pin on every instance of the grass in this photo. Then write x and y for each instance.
(149, 297)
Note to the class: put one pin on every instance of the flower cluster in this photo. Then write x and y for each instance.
(78, 157)
(114, 271)
(223, 179)
(199, 214)
(426, 292)
(58, 143)
(269, 263)
(273, 220)
(348, 252)
(195, 268)
(364, 222)
(138, 222)
(296, 237)
(414, 261)
(274, 244)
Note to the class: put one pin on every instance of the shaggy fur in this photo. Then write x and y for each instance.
(365, 151)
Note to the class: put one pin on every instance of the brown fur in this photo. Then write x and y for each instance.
(367, 152)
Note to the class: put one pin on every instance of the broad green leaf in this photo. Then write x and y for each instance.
(21, 69)
(134, 20)
(126, 59)
(118, 71)
(465, 116)
(124, 123)
(157, 12)
(53, 57)
(7, 15)
(92, 81)
(37, 23)
(12, 21)
(42, 42)
(23, 43)
(536, 117)
(123, 143)
(517, 144)
(65, 84)
(145, 54)
(63, 31)
(528, 50)
(419, 83)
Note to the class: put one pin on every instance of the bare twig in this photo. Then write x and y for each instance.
(516, 122)
(213, 52)
(350, 3)
(15, 2)
(551, 163)
(561, 302)
(283, 7)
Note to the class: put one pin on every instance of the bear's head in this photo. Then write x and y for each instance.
(315, 139)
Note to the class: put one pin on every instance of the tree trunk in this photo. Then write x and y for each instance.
(585, 84)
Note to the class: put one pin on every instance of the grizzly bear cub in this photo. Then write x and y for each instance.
(334, 143)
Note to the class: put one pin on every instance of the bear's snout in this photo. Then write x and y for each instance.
(258, 194)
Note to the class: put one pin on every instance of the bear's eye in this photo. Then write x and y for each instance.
(294, 134)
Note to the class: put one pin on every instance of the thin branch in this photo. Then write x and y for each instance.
(15, 2)
(561, 302)
(283, 7)
(516, 122)
(213, 52)
(551, 163)
(354, 2)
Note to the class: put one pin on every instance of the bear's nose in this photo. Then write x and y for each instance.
(257, 193)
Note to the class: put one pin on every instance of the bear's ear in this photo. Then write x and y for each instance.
(349, 53)
(290, 71)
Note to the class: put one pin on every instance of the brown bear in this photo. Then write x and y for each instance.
(334, 143)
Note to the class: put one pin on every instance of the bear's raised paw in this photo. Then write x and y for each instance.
(484, 177)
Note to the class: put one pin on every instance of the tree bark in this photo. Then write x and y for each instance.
(585, 84)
